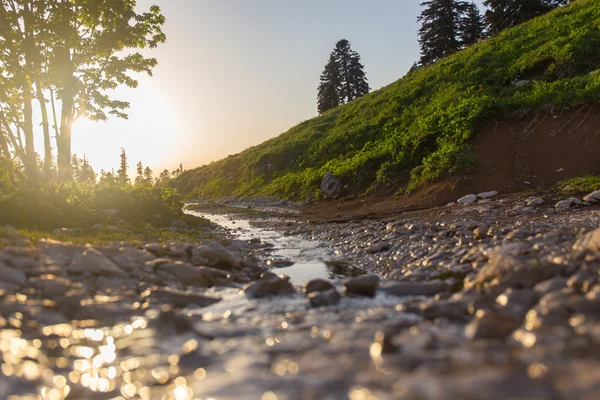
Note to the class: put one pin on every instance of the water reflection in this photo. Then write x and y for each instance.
(123, 361)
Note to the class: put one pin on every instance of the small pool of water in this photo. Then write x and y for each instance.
(311, 259)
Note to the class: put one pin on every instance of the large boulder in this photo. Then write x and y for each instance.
(330, 185)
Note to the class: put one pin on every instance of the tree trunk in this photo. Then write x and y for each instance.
(63, 141)
(46, 128)
(30, 162)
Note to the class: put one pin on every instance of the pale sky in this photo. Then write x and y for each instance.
(234, 73)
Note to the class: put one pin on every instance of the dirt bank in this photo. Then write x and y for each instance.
(526, 153)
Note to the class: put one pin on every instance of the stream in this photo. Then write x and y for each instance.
(300, 259)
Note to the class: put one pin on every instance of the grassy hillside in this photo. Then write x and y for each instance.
(418, 128)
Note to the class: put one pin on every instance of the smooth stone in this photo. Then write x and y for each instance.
(186, 273)
(324, 298)
(470, 198)
(534, 201)
(217, 257)
(377, 247)
(316, 285)
(365, 285)
(487, 195)
(268, 286)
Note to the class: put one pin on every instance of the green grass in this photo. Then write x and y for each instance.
(418, 129)
(132, 234)
(583, 184)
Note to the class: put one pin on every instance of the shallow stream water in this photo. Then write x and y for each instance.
(311, 259)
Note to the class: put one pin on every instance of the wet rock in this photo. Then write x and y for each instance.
(50, 285)
(589, 242)
(12, 275)
(377, 247)
(129, 258)
(324, 298)
(481, 232)
(217, 256)
(268, 285)
(489, 324)
(7, 288)
(94, 262)
(397, 274)
(487, 195)
(550, 285)
(186, 273)
(330, 184)
(516, 301)
(510, 266)
(470, 198)
(361, 285)
(582, 281)
(534, 201)
(316, 285)
(179, 298)
(567, 203)
(592, 197)
(413, 288)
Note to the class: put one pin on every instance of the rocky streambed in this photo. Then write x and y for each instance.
(489, 300)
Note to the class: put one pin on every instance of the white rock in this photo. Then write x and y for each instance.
(487, 195)
(560, 170)
(470, 198)
(95, 263)
(534, 201)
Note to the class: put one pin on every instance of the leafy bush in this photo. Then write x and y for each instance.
(424, 121)
(73, 204)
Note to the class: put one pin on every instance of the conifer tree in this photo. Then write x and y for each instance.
(327, 93)
(504, 14)
(139, 173)
(163, 178)
(438, 35)
(352, 79)
(472, 28)
(148, 176)
(122, 177)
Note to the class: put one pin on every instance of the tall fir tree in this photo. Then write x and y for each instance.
(327, 92)
(122, 177)
(352, 78)
(148, 176)
(504, 14)
(439, 32)
(139, 170)
(472, 27)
